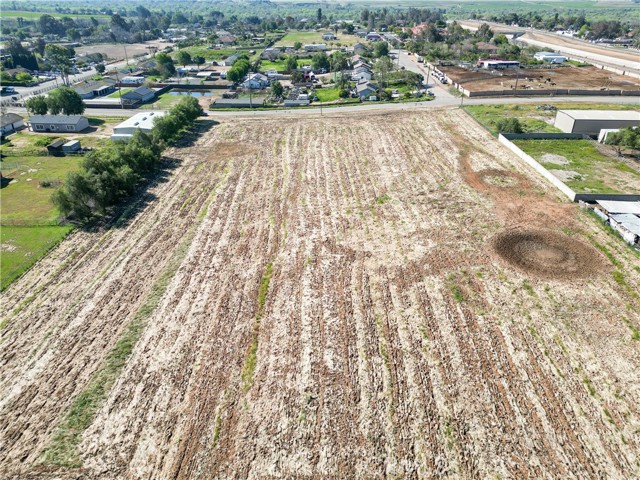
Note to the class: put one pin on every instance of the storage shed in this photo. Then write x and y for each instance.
(611, 207)
(71, 146)
(628, 226)
(590, 122)
(140, 121)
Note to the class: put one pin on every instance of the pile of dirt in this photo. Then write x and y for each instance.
(547, 254)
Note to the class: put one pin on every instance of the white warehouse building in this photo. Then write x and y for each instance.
(140, 121)
(550, 57)
(590, 122)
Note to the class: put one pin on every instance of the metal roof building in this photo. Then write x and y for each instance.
(140, 121)
(615, 206)
(590, 122)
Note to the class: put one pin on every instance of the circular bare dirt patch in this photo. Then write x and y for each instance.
(499, 178)
(547, 254)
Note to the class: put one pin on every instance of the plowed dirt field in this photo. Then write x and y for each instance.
(391, 296)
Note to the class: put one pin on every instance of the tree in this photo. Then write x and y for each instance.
(382, 67)
(320, 62)
(291, 63)
(319, 15)
(626, 137)
(36, 105)
(509, 125)
(381, 49)
(277, 89)
(60, 58)
(100, 68)
(338, 61)
(183, 58)
(484, 32)
(65, 100)
(166, 68)
(199, 60)
(297, 45)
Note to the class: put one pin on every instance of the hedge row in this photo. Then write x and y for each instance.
(110, 174)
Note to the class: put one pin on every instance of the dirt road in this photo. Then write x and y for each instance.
(326, 298)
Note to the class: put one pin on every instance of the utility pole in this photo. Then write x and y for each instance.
(515, 90)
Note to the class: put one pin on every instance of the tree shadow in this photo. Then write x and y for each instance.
(95, 122)
(199, 127)
(123, 214)
(4, 181)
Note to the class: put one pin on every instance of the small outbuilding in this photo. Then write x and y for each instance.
(238, 103)
(55, 146)
(628, 226)
(550, 57)
(71, 146)
(138, 96)
(590, 122)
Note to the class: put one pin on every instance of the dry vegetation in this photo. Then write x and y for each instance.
(322, 298)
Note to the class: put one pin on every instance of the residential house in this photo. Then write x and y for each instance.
(132, 80)
(58, 123)
(361, 33)
(373, 37)
(361, 74)
(366, 89)
(140, 121)
(91, 89)
(359, 49)
(256, 81)
(315, 47)
(138, 96)
(230, 60)
(329, 36)
(10, 122)
(271, 53)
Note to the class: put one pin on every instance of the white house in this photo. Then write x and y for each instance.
(315, 47)
(140, 121)
(58, 123)
(256, 81)
(132, 80)
(10, 122)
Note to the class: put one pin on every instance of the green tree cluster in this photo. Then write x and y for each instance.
(110, 174)
(239, 69)
(626, 137)
(61, 100)
(509, 125)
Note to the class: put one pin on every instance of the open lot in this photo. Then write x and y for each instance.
(116, 51)
(29, 221)
(316, 37)
(532, 118)
(316, 298)
(536, 79)
(585, 165)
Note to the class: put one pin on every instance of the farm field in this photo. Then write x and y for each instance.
(585, 165)
(316, 298)
(316, 37)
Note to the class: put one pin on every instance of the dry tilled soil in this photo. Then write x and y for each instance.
(329, 298)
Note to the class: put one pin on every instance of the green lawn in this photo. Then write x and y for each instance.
(117, 93)
(532, 119)
(209, 53)
(598, 173)
(316, 37)
(28, 218)
(328, 94)
(163, 102)
(23, 246)
(279, 65)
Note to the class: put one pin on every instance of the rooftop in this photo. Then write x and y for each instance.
(613, 206)
(141, 120)
(628, 221)
(602, 114)
(9, 118)
(56, 119)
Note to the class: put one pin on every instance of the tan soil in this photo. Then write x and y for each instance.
(393, 341)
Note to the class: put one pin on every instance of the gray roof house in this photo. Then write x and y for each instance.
(366, 89)
(10, 122)
(58, 123)
(91, 89)
(230, 60)
(138, 96)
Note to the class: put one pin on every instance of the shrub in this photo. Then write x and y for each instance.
(509, 125)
